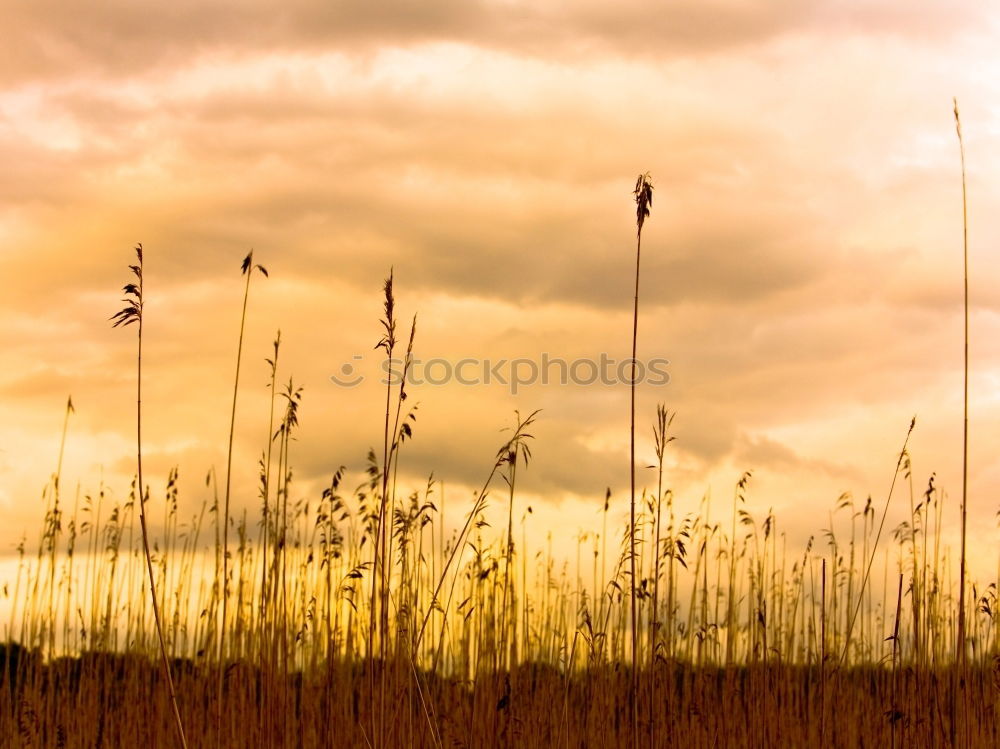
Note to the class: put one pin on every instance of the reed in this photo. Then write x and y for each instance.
(960, 644)
(378, 613)
(247, 269)
(643, 194)
(131, 313)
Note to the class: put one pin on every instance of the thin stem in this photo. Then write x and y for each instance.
(960, 644)
(643, 199)
(133, 313)
(878, 535)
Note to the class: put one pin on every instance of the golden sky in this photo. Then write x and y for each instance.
(801, 267)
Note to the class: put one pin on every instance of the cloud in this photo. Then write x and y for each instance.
(800, 268)
(760, 451)
(115, 38)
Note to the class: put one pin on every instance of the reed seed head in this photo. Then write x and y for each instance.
(643, 199)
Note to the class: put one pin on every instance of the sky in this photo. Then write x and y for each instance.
(801, 267)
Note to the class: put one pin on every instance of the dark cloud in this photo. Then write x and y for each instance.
(344, 194)
(800, 267)
(121, 38)
(763, 452)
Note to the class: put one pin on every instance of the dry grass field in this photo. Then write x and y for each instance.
(384, 616)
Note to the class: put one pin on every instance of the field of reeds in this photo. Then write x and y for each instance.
(380, 615)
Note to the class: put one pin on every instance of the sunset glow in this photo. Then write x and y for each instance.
(802, 277)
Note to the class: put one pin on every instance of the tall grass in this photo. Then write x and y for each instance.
(247, 269)
(449, 675)
(643, 194)
(377, 614)
(961, 642)
(960, 645)
(133, 313)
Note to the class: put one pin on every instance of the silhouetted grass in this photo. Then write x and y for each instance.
(371, 617)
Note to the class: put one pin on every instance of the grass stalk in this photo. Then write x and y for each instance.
(960, 643)
(643, 194)
(133, 313)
